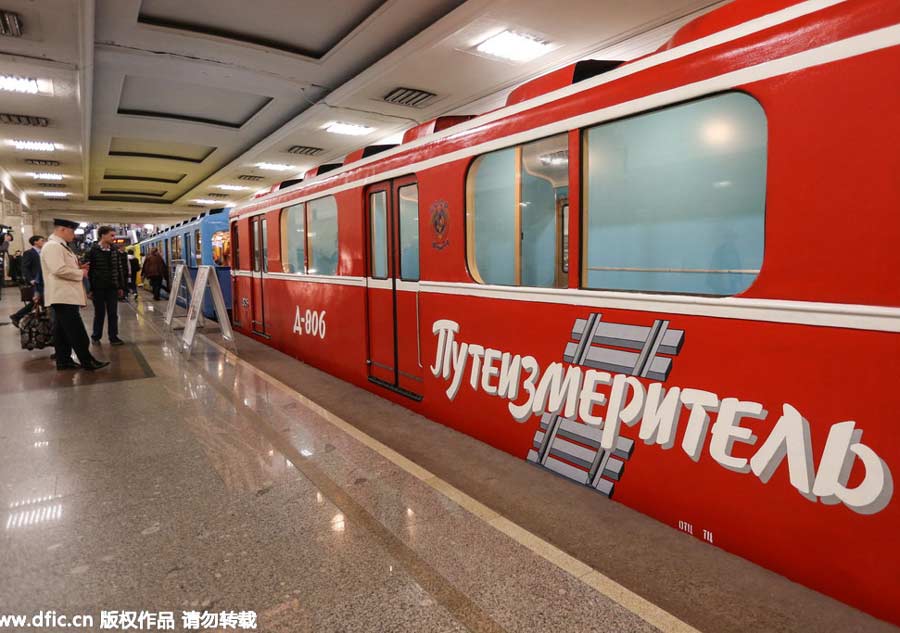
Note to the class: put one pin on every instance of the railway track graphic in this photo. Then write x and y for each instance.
(571, 448)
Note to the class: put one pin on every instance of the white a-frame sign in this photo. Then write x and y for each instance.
(181, 280)
(206, 277)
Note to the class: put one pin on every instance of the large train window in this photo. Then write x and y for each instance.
(322, 236)
(293, 239)
(409, 233)
(221, 248)
(515, 200)
(674, 200)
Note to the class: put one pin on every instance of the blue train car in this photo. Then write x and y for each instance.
(203, 240)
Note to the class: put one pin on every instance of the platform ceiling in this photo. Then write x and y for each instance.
(155, 103)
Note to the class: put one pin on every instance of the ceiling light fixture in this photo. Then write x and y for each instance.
(555, 159)
(46, 176)
(13, 83)
(207, 201)
(348, 129)
(274, 166)
(232, 187)
(55, 194)
(36, 146)
(512, 46)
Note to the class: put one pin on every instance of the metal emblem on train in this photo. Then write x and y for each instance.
(440, 225)
(584, 401)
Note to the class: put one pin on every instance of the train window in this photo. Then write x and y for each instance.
(198, 252)
(176, 248)
(515, 201)
(264, 240)
(564, 240)
(221, 248)
(236, 244)
(322, 236)
(675, 198)
(254, 244)
(378, 234)
(409, 233)
(293, 239)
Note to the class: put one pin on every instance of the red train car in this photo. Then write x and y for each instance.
(673, 280)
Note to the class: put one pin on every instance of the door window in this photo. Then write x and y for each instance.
(254, 241)
(409, 232)
(378, 232)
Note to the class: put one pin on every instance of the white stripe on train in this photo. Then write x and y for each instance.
(841, 315)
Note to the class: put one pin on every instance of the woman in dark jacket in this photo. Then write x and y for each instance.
(155, 270)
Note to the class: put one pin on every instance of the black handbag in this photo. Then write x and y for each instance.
(27, 293)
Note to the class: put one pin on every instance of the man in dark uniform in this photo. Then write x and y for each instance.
(107, 281)
(31, 272)
(63, 290)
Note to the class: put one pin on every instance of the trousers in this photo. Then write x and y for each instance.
(69, 334)
(156, 286)
(106, 305)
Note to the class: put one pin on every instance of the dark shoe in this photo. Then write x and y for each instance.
(95, 341)
(116, 341)
(67, 365)
(95, 365)
(53, 356)
(14, 320)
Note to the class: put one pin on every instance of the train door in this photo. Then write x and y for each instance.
(259, 259)
(395, 353)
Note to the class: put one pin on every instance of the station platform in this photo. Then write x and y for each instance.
(252, 482)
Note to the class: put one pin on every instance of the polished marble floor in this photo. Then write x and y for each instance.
(168, 483)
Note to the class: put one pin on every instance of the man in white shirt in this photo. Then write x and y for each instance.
(64, 291)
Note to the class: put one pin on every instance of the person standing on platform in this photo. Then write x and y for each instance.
(15, 267)
(31, 273)
(5, 241)
(64, 292)
(154, 269)
(134, 267)
(107, 280)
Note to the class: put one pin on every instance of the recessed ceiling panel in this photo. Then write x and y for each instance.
(157, 97)
(143, 175)
(129, 199)
(164, 150)
(304, 27)
(134, 191)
